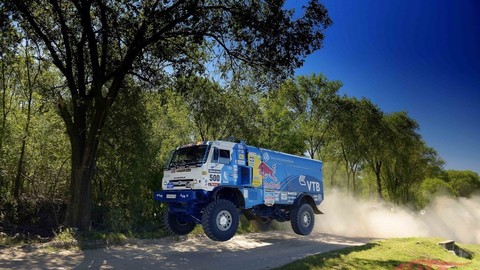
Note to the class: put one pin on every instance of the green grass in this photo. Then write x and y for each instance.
(399, 253)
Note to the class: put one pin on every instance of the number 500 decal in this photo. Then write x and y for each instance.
(214, 177)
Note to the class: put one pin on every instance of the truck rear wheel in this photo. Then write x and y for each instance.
(220, 220)
(173, 226)
(302, 219)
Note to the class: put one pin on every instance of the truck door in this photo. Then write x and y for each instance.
(222, 161)
(242, 172)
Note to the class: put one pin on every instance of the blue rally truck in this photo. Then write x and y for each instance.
(212, 183)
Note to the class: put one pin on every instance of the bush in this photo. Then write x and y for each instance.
(29, 216)
(464, 182)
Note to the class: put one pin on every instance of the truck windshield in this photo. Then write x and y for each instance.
(192, 155)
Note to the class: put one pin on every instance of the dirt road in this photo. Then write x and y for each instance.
(250, 251)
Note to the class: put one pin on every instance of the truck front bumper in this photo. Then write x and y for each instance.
(179, 196)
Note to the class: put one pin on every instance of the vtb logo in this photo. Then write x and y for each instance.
(311, 185)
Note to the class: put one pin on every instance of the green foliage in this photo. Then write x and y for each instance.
(219, 112)
(303, 116)
(465, 183)
(302, 112)
(7, 241)
(410, 159)
(91, 112)
(355, 128)
(65, 239)
(430, 188)
(171, 123)
(278, 125)
(128, 170)
(100, 48)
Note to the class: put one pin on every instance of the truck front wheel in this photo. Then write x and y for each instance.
(302, 219)
(220, 220)
(173, 226)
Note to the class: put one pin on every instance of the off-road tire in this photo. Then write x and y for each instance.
(302, 219)
(220, 220)
(173, 226)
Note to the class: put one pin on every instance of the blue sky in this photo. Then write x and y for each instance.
(422, 57)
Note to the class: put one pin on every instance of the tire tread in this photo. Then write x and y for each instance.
(295, 219)
(207, 219)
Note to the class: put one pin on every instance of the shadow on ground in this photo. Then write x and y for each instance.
(249, 251)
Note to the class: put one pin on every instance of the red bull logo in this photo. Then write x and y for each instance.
(266, 171)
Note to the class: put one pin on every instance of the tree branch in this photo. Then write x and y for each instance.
(86, 21)
(66, 40)
(23, 9)
(104, 30)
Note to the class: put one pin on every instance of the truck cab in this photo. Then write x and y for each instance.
(211, 183)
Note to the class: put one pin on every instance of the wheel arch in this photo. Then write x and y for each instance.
(307, 198)
(231, 194)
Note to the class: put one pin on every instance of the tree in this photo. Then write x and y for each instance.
(127, 169)
(97, 44)
(313, 99)
(279, 125)
(354, 125)
(465, 183)
(298, 115)
(378, 138)
(432, 187)
(409, 161)
(9, 40)
(29, 80)
(219, 112)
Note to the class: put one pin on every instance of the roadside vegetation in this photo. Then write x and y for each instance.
(399, 253)
(85, 130)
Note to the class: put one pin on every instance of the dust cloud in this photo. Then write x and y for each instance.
(455, 219)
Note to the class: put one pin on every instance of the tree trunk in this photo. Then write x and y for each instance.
(354, 184)
(353, 171)
(4, 120)
(378, 167)
(347, 171)
(334, 171)
(84, 143)
(18, 178)
(4, 106)
(79, 208)
(348, 178)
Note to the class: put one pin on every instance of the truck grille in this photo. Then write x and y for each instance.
(182, 182)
